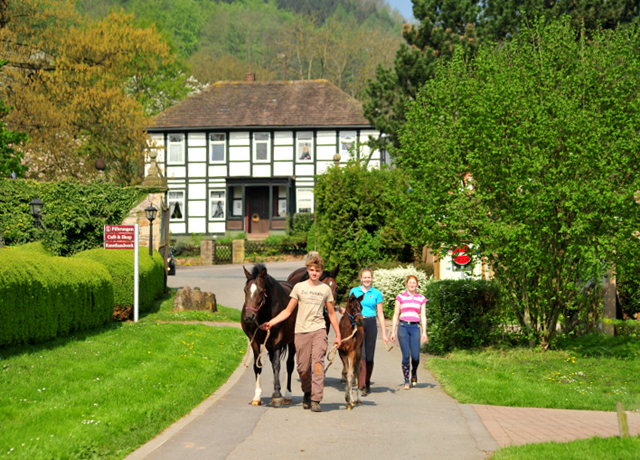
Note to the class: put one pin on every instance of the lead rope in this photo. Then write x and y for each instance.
(386, 344)
(259, 363)
(331, 356)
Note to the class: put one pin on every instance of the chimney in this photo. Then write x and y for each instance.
(249, 76)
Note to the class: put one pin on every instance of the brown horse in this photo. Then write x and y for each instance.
(264, 298)
(350, 350)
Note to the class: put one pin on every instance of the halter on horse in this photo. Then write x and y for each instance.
(264, 298)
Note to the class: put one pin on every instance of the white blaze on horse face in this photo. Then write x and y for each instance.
(258, 393)
(253, 289)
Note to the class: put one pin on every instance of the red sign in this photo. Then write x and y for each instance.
(119, 236)
(461, 255)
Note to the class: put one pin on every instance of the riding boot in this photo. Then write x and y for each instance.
(405, 372)
(363, 377)
(368, 379)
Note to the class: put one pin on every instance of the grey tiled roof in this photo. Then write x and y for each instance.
(308, 103)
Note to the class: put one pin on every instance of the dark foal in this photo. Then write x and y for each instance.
(351, 350)
(264, 298)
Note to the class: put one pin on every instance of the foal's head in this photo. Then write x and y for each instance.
(354, 310)
(255, 292)
(329, 278)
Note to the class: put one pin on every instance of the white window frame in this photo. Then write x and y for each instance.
(236, 201)
(171, 143)
(177, 200)
(223, 143)
(257, 142)
(346, 139)
(299, 197)
(304, 138)
(220, 200)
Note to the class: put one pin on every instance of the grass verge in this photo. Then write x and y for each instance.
(586, 449)
(102, 394)
(163, 311)
(589, 373)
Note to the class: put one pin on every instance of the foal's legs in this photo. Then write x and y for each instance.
(357, 364)
(348, 386)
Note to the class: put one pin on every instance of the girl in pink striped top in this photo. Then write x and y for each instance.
(410, 310)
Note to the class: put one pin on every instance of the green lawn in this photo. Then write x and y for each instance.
(104, 393)
(586, 449)
(589, 373)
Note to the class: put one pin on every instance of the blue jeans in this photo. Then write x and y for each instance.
(409, 338)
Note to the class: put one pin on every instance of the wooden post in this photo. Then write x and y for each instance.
(623, 425)
(609, 302)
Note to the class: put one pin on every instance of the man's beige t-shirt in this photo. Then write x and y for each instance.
(311, 300)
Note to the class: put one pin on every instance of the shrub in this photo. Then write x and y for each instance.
(74, 215)
(119, 264)
(390, 282)
(301, 223)
(463, 314)
(33, 248)
(47, 297)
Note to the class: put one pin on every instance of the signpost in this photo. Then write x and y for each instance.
(125, 237)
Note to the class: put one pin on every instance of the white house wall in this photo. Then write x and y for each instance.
(198, 175)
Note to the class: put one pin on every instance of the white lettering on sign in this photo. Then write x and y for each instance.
(123, 245)
(119, 236)
(119, 229)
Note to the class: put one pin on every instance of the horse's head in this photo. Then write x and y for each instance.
(354, 310)
(255, 293)
(329, 278)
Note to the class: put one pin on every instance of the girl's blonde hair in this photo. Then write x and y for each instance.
(365, 270)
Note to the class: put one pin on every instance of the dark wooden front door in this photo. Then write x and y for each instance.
(258, 209)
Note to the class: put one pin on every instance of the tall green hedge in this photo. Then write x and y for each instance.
(119, 263)
(74, 215)
(463, 314)
(46, 297)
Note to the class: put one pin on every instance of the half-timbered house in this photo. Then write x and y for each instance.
(242, 156)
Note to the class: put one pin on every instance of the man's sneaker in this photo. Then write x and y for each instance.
(306, 401)
(315, 406)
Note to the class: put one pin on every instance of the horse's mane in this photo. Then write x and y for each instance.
(256, 270)
(270, 280)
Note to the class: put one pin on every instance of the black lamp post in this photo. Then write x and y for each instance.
(36, 206)
(151, 212)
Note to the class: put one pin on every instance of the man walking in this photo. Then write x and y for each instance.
(311, 341)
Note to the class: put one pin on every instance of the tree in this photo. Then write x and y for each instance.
(69, 80)
(530, 153)
(446, 25)
(10, 159)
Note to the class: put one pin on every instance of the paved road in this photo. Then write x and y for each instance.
(392, 423)
(226, 281)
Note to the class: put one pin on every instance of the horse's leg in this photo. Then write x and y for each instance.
(291, 352)
(357, 364)
(256, 401)
(274, 355)
(343, 358)
(347, 388)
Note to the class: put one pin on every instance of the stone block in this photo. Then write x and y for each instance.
(187, 299)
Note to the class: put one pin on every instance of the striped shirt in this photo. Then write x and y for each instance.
(410, 306)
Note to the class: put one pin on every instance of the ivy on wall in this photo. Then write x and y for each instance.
(73, 215)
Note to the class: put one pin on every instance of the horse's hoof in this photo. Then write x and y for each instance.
(343, 381)
(277, 402)
(349, 406)
(288, 401)
(358, 403)
(256, 402)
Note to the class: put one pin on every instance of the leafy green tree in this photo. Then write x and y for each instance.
(10, 159)
(446, 25)
(530, 153)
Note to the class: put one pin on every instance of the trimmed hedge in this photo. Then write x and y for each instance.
(463, 314)
(33, 248)
(46, 297)
(119, 263)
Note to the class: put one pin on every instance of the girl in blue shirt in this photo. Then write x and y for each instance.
(371, 308)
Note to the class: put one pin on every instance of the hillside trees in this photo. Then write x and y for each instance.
(447, 25)
(530, 153)
(68, 79)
